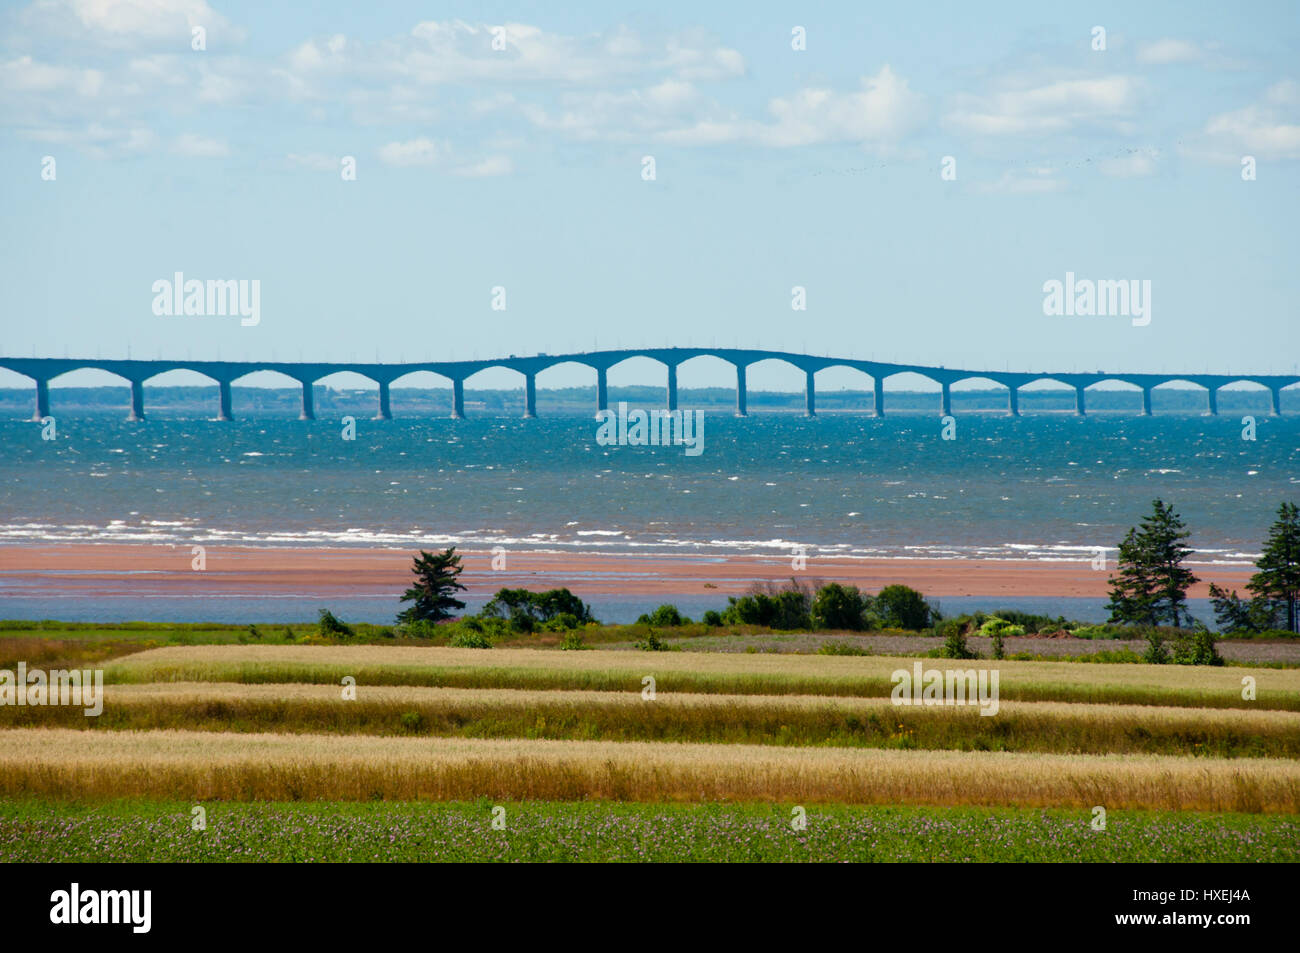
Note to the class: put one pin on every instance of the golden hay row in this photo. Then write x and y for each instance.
(1202, 687)
(63, 763)
(830, 666)
(482, 698)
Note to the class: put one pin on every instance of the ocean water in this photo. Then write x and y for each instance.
(1044, 487)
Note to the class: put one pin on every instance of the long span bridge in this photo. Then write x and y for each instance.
(224, 373)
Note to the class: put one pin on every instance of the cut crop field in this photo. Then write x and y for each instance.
(396, 752)
(428, 832)
(58, 762)
(783, 720)
(1178, 685)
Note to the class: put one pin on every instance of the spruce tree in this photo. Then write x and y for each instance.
(1278, 579)
(437, 577)
(1150, 587)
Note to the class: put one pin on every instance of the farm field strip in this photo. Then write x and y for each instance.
(699, 673)
(423, 832)
(67, 764)
(727, 719)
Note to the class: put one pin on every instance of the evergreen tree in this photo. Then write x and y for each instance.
(1278, 579)
(437, 577)
(1150, 587)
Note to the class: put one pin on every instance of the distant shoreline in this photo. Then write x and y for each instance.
(87, 570)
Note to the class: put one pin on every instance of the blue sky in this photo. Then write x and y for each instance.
(775, 168)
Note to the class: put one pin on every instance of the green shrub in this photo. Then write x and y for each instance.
(563, 622)
(1196, 648)
(842, 648)
(1156, 653)
(954, 646)
(411, 721)
(330, 627)
(713, 619)
(902, 607)
(838, 607)
(665, 615)
(652, 643)
(466, 639)
(776, 608)
(527, 611)
(573, 642)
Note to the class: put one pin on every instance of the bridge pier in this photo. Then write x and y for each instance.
(672, 386)
(384, 411)
(809, 395)
(1277, 400)
(1212, 393)
(741, 397)
(137, 401)
(42, 400)
(1013, 401)
(1146, 401)
(602, 389)
(530, 396)
(878, 385)
(945, 399)
(1080, 402)
(457, 399)
(308, 411)
(224, 410)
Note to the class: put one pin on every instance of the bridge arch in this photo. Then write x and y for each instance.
(64, 379)
(980, 382)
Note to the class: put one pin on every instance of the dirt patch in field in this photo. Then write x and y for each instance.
(1237, 651)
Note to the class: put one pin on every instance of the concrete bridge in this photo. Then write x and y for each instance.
(224, 373)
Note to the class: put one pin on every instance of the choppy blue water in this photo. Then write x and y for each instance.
(1034, 487)
(1037, 487)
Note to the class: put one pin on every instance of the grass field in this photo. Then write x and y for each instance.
(138, 831)
(730, 674)
(56, 762)
(784, 720)
(1188, 765)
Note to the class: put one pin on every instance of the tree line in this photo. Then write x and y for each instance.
(1150, 584)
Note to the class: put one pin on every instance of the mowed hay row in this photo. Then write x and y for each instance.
(711, 673)
(681, 717)
(65, 764)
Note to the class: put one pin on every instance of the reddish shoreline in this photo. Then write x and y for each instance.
(80, 570)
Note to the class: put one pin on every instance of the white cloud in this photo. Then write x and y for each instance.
(1057, 106)
(98, 140)
(1165, 51)
(25, 75)
(128, 23)
(883, 111)
(413, 153)
(492, 165)
(1284, 93)
(455, 52)
(1257, 131)
(200, 147)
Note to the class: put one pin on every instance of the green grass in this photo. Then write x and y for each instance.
(597, 831)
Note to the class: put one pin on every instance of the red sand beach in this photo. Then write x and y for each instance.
(82, 570)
